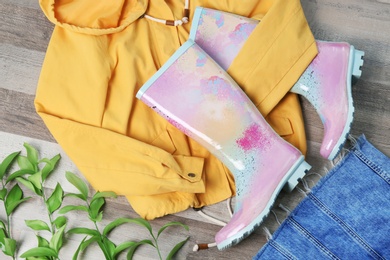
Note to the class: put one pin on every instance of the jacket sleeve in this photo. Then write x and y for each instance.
(115, 162)
(92, 112)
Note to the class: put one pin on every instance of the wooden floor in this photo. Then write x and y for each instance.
(24, 35)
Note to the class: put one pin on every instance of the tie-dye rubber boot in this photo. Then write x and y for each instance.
(326, 83)
(198, 97)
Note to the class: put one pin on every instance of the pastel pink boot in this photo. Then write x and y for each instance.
(198, 97)
(326, 83)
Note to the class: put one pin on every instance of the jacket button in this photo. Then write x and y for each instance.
(192, 175)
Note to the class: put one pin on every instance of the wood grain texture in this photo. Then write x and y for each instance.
(24, 26)
(24, 36)
(20, 63)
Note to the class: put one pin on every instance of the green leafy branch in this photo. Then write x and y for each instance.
(94, 209)
(33, 178)
(11, 198)
(132, 246)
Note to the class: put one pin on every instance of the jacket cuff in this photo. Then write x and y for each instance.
(191, 169)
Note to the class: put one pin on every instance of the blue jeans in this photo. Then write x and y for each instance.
(346, 216)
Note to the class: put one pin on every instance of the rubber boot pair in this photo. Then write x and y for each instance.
(195, 94)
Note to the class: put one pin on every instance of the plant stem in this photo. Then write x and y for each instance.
(157, 248)
(53, 228)
(8, 231)
(101, 244)
(8, 228)
(48, 212)
(97, 228)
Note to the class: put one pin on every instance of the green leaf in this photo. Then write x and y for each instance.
(120, 221)
(123, 246)
(68, 208)
(16, 204)
(9, 246)
(39, 252)
(6, 163)
(15, 194)
(176, 249)
(89, 241)
(133, 248)
(85, 231)
(110, 246)
(37, 258)
(19, 173)
(98, 218)
(173, 223)
(36, 179)
(84, 244)
(2, 236)
(78, 183)
(37, 225)
(3, 193)
(32, 155)
(50, 166)
(75, 195)
(60, 221)
(42, 242)
(94, 208)
(77, 252)
(104, 194)
(14, 198)
(57, 238)
(104, 250)
(2, 225)
(29, 185)
(24, 163)
(55, 199)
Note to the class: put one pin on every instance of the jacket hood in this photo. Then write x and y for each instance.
(94, 17)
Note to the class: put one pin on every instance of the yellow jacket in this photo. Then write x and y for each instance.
(102, 52)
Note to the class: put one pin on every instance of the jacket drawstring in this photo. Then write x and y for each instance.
(183, 20)
(202, 246)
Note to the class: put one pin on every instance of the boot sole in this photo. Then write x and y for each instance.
(296, 172)
(354, 71)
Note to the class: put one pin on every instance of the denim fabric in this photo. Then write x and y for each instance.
(345, 216)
